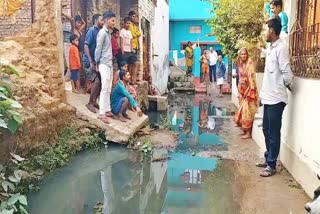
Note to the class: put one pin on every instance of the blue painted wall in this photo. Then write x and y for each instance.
(179, 32)
(189, 9)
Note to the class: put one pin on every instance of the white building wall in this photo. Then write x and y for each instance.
(300, 145)
(160, 46)
(159, 54)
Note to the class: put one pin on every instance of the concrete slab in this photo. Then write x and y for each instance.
(116, 131)
(160, 102)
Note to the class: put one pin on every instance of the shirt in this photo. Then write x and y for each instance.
(126, 39)
(277, 74)
(284, 21)
(213, 58)
(135, 34)
(103, 53)
(115, 46)
(120, 92)
(74, 58)
(221, 69)
(91, 41)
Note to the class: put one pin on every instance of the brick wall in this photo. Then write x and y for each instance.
(10, 26)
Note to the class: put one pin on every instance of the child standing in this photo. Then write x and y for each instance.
(221, 71)
(205, 66)
(74, 63)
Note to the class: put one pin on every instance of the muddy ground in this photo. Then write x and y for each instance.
(279, 194)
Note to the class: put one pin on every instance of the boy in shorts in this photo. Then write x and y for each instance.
(74, 63)
(127, 51)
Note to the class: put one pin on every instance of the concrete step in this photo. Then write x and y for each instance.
(116, 131)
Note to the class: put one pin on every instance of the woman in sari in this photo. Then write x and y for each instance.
(189, 58)
(248, 94)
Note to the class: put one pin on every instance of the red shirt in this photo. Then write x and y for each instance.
(115, 46)
(74, 58)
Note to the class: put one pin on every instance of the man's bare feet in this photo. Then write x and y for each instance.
(242, 133)
(75, 91)
(104, 119)
(109, 114)
(91, 108)
(96, 105)
(246, 136)
(127, 116)
(122, 118)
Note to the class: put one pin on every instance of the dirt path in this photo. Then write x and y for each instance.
(279, 194)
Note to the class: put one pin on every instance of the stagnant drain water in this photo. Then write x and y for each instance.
(123, 183)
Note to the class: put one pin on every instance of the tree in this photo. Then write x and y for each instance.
(237, 23)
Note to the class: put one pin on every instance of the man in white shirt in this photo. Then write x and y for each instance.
(213, 57)
(274, 97)
(127, 50)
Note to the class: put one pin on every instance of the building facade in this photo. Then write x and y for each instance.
(188, 23)
(300, 148)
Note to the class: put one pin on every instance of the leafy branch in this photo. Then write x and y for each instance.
(236, 23)
(10, 118)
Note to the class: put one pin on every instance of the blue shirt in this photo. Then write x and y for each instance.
(118, 93)
(91, 41)
(284, 21)
(283, 17)
(221, 69)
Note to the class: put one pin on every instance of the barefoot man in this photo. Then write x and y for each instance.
(121, 99)
(103, 56)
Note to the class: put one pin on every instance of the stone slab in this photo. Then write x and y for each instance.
(116, 131)
(161, 102)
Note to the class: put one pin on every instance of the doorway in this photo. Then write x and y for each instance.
(145, 27)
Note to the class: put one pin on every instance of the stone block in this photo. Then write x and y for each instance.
(116, 131)
(161, 102)
(142, 95)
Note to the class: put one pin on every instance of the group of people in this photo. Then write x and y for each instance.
(110, 68)
(273, 95)
(213, 69)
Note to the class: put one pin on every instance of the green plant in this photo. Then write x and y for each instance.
(12, 200)
(146, 147)
(10, 118)
(237, 23)
(165, 123)
(70, 141)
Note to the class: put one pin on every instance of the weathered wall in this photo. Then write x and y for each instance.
(160, 46)
(11, 26)
(37, 56)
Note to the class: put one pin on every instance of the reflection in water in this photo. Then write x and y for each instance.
(123, 183)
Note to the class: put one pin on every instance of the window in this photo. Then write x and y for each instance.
(195, 29)
(305, 40)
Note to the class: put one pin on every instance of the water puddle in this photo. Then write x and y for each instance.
(118, 181)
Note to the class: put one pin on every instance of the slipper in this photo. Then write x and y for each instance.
(267, 172)
(104, 119)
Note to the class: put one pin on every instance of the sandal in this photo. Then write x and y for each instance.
(267, 172)
(262, 165)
